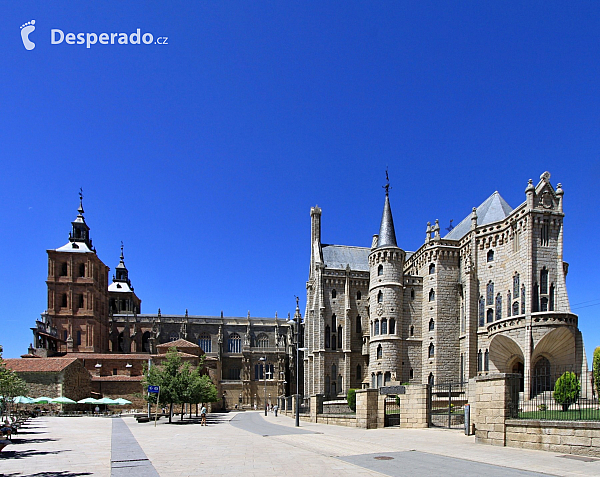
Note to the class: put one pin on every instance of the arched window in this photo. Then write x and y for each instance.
(412, 330)
(486, 361)
(431, 268)
(412, 294)
(392, 326)
(146, 342)
(333, 389)
(479, 361)
(358, 373)
(358, 324)
(490, 315)
(431, 379)
(380, 270)
(358, 295)
(481, 311)
(384, 326)
(490, 256)
(339, 333)
(431, 350)
(498, 307)
(411, 374)
(327, 336)
(516, 285)
(339, 382)
(82, 269)
(508, 302)
(515, 310)
(262, 341)
(544, 282)
(380, 297)
(431, 295)
(431, 324)
(551, 297)
(333, 322)
(333, 293)
(373, 381)
(387, 377)
(379, 352)
(120, 343)
(234, 343)
(376, 327)
(522, 299)
(333, 342)
(333, 380)
(490, 293)
(63, 269)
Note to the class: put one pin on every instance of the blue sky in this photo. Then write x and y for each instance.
(205, 155)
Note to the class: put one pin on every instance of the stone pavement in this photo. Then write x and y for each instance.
(249, 444)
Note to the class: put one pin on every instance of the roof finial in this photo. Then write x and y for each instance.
(387, 186)
(80, 209)
(122, 257)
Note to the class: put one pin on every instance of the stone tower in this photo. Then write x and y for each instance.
(386, 263)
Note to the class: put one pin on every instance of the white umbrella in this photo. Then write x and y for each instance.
(106, 400)
(62, 400)
(42, 400)
(89, 400)
(122, 402)
(22, 400)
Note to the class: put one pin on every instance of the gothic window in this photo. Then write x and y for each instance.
(490, 293)
(486, 361)
(358, 324)
(551, 297)
(379, 352)
(262, 341)
(376, 327)
(535, 306)
(490, 315)
(479, 361)
(327, 336)
(235, 374)
(339, 337)
(412, 330)
(333, 371)
(258, 372)
(78, 337)
(431, 268)
(392, 326)
(431, 324)
(431, 350)
(384, 326)
(234, 343)
(358, 373)
(340, 382)
(412, 294)
(380, 297)
(380, 270)
(82, 269)
(431, 295)
(545, 233)
(544, 304)
(481, 312)
(411, 373)
(205, 342)
(173, 336)
(146, 342)
(515, 308)
(508, 302)
(64, 300)
(333, 322)
(544, 282)
(431, 379)
(498, 307)
(333, 293)
(522, 299)
(333, 342)
(516, 285)
(490, 256)
(387, 377)
(358, 295)
(333, 389)
(63, 269)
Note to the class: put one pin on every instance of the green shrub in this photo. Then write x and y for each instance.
(566, 390)
(596, 369)
(351, 398)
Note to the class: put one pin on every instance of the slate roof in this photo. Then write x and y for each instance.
(338, 256)
(387, 234)
(39, 365)
(120, 287)
(493, 209)
(76, 247)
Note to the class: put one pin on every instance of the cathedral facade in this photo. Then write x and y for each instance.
(489, 296)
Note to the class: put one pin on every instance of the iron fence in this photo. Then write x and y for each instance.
(447, 404)
(558, 393)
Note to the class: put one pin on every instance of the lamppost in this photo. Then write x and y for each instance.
(298, 321)
(264, 360)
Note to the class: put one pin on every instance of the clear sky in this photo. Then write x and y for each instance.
(205, 154)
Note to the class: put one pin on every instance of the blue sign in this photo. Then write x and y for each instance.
(153, 389)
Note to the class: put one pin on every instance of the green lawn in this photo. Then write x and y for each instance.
(557, 415)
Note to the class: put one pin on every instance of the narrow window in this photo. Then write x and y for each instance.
(358, 295)
(545, 233)
(486, 361)
(373, 382)
(380, 297)
(490, 315)
(412, 294)
(65, 335)
(431, 350)
(379, 380)
(551, 303)
(64, 300)
(481, 311)
(380, 270)
(498, 307)
(78, 337)
(340, 337)
(412, 330)
(490, 293)
(479, 361)
(327, 336)
(535, 306)
(431, 268)
(508, 302)
(358, 324)
(82, 269)
(340, 382)
(205, 343)
(431, 379)
(327, 386)
(431, 324)
(411, 373)
(333, 293)
(114, 371)
(358, 373)
(490, 256)
(262, 341)
(333, 342)
(384, 326)
(522, 299)
(379, 352)
(63, 269)
(258, 372)
(376, 327)
(544, 304)
(544, 282)
(333, 322)
(387, 377)
(431, 295)
(392, 326)
(516, 285)
(235, 343)
(515, 308)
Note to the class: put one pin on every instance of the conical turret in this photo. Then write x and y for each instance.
(387, 234)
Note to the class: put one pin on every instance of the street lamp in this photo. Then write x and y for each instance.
(264, 360)
(298, 320)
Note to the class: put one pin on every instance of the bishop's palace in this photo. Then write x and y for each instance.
(489, 296)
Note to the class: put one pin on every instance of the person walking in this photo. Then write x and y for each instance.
(275, 407)
(203, 415)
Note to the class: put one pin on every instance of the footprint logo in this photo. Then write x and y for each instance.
(26, 29)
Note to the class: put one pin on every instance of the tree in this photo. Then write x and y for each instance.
(351, 398)
(10, 386)
(596, 368)
(566, 389)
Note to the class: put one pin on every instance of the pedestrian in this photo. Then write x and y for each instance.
(275, 409)
(97, 410)
(255, 406)
(203, 415)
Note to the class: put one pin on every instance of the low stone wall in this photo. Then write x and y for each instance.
(336, 407)
(347, 420)
(568, 437)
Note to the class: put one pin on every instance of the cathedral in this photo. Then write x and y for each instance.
(489, 296)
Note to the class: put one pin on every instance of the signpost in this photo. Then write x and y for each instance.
(155, 390)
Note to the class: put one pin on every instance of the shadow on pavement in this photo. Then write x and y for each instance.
(16, 440)
(49, 474)
(23, 454)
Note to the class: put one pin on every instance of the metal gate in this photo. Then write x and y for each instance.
(447, 405)
(392, 411)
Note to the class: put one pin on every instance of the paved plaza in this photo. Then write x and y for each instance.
(250, 444)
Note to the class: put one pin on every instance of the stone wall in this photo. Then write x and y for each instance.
(414, 406)
(366, 408)
(492, 403)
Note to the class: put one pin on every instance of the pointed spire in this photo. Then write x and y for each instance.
(80, 209)
(387, 234)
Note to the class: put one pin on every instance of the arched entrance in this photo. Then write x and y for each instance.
(519, 368)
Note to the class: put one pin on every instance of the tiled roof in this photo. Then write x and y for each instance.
(128, 356)
(39, 365)
(179, 343)
(338, 256)
(117, 378)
